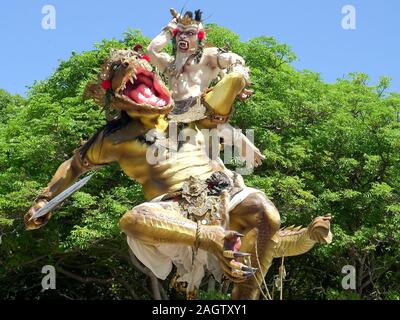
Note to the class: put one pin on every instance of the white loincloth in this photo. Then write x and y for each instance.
(159, 258)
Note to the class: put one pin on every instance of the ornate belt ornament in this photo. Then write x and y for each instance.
(201, 199)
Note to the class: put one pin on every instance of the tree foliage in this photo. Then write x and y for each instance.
(329, 148)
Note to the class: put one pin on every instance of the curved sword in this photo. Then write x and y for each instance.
(60, 198)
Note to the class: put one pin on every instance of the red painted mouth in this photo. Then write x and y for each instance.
(144, 88)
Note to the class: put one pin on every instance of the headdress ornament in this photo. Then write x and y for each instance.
(187, 19)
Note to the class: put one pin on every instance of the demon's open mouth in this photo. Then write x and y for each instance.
(143, 87)
(183, 45)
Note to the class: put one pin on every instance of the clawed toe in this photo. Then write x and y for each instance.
(241, 274)
(232, 235)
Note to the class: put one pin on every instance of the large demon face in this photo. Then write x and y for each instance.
(128, 83)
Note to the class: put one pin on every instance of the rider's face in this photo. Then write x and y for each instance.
(186, 40)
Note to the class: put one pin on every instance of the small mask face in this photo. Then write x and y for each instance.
(186, 39)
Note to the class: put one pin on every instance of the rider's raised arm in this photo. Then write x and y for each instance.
(247, 150)
(158, 58)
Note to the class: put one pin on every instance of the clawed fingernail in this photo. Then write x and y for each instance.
(249, 269)
(240, 254)
(247, 273)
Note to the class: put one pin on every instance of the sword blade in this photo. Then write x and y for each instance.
(60, 198)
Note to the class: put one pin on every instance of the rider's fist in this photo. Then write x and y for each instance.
(39, 222)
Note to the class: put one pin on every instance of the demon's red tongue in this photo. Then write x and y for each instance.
(143, 94)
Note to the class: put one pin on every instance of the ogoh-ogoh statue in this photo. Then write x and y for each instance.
(199, 214)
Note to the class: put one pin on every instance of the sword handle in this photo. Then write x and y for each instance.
(39, 222)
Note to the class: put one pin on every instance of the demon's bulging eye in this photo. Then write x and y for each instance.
(188, 33)
(116, 66)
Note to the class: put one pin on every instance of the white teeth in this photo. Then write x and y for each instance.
(131, 79)
(183, 45)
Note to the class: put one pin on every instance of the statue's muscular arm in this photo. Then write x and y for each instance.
(247, 150)
(158, 58)
(68, 172)
(224, 60)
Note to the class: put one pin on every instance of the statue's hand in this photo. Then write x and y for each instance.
(39, 222)
(173, 24)
(174, 21)
(254, 159)
(245, 94)
(225, 246)
(258, 157)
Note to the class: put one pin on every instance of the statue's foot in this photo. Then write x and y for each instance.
(320, 229)
(178, 286)
(192, 295)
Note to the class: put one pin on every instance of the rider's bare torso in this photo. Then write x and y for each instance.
(194, 78)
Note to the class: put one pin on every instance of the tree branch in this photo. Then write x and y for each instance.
(84, 280)
(155, 287)
(129, 288)
(164, 294)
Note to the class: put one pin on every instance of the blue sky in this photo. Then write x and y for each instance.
(311, 27)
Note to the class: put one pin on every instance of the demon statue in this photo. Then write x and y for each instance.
(199, 214)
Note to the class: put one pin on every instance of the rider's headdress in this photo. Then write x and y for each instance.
(189, 19)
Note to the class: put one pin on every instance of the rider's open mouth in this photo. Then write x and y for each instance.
(183, 45)
(142, 87)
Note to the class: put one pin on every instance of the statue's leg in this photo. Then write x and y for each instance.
(223, 94)
(161, 223)
(256, 217)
